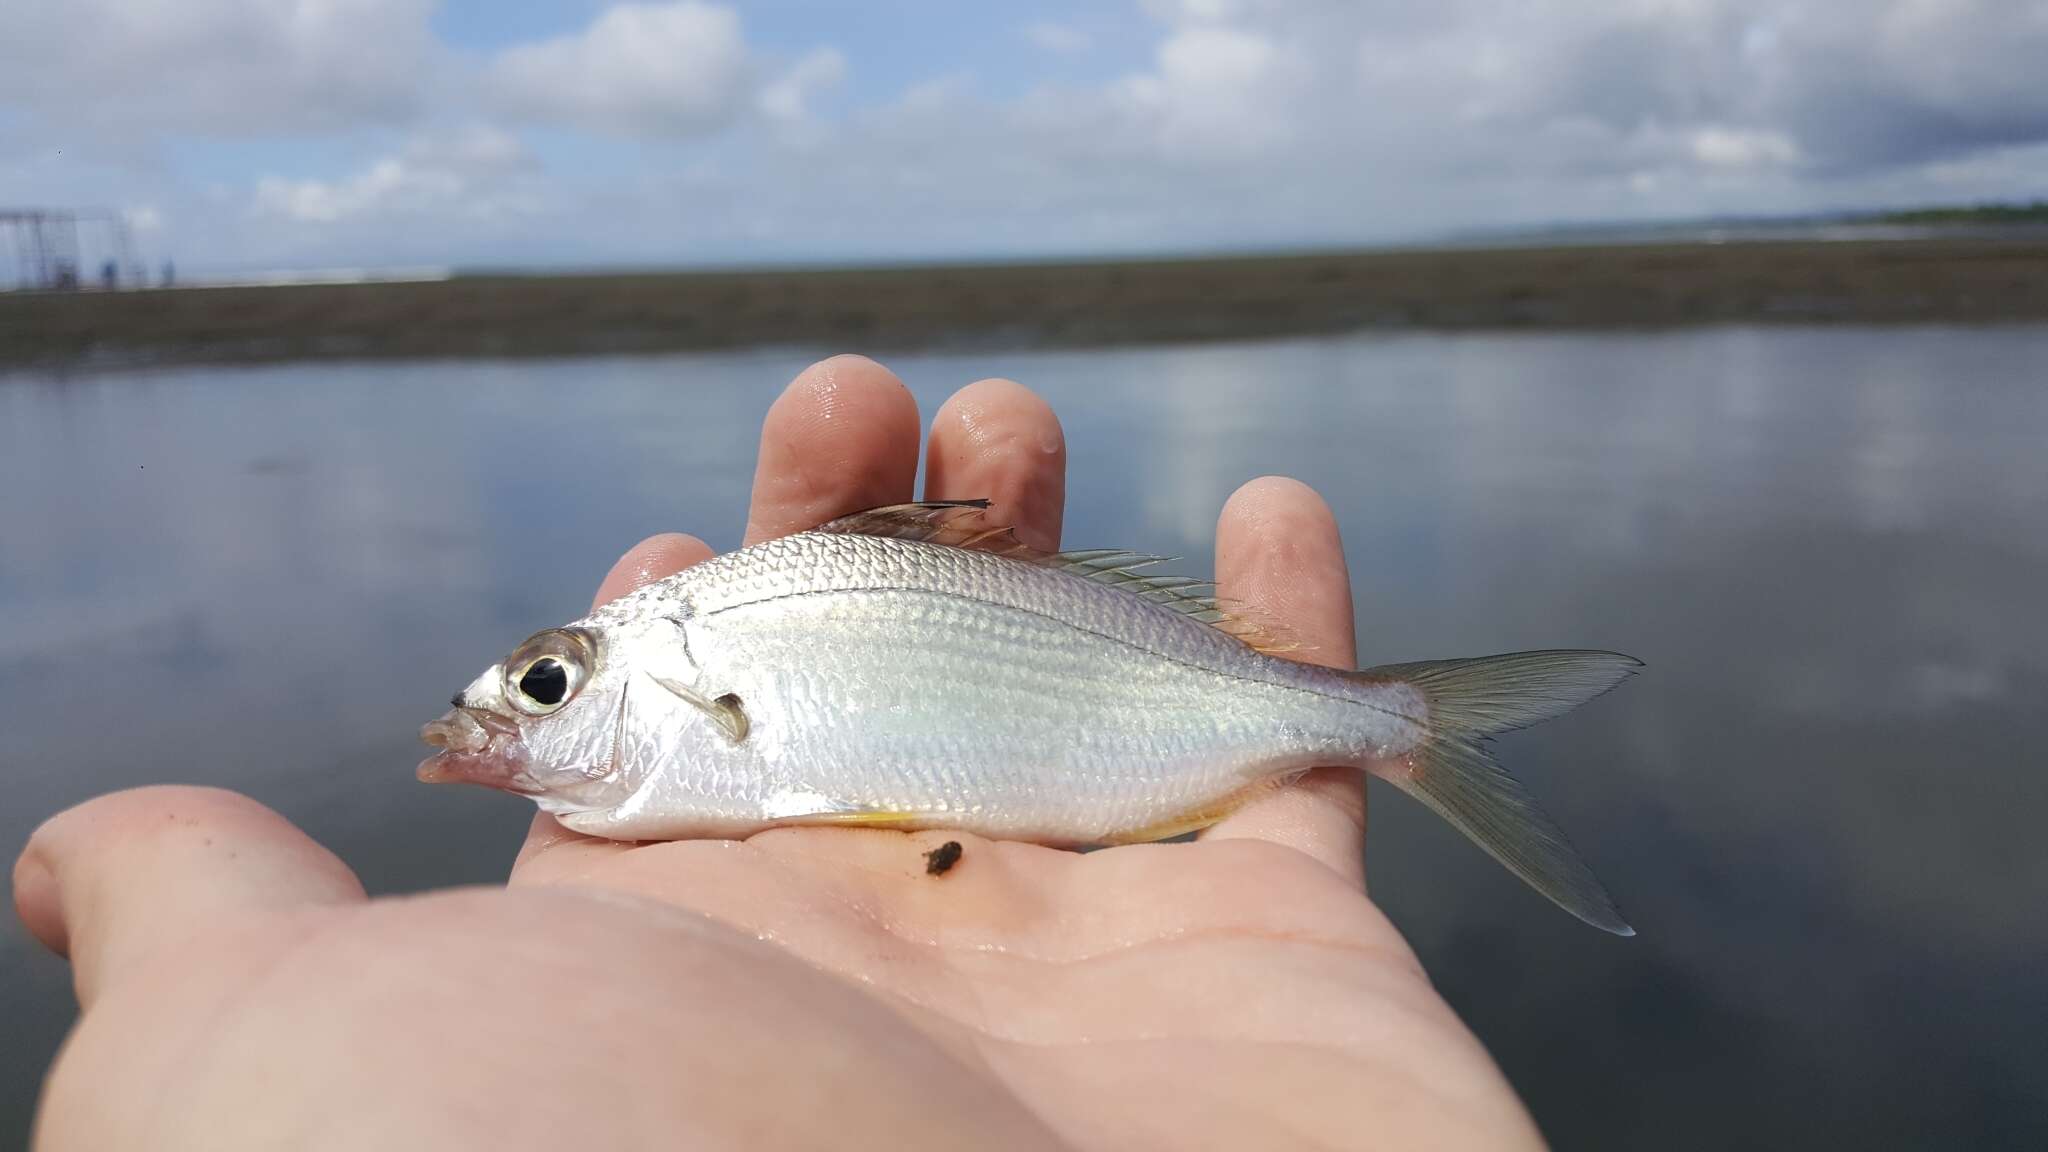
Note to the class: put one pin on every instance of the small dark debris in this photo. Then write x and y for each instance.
(940, 860)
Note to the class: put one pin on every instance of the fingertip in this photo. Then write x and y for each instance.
(1275, 510)
(1279, 551)
(841, 438)
(836, 391)
(36, 900)
(998, 440)
(107, 881)
(844, 370)
(997, 408)
(158, 815)
(655, 558)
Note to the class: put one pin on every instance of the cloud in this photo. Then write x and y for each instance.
(1303, 121)
(217, 67)
(1200, 11)
(1059, 39)
(671, 69)
(789, 95)
(1216, 89)
(1229, 123)
(1844, 86)
(1264, 123)
(1902, 81)
(1718, 147)
(476, 173)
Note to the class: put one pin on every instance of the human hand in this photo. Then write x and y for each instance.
(804, 987)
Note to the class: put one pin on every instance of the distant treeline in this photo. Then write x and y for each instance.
(2034, 213)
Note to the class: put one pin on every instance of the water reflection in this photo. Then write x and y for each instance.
(1820, 807)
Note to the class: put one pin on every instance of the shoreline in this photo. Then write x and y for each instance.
(1070, 304)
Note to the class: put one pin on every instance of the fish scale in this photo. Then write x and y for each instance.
(1130, 724)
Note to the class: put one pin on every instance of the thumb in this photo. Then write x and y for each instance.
(118, 877)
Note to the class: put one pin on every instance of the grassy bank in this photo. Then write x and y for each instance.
(1921, 281)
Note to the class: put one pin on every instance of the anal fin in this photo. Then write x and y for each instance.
(864, 818)
(1194, 819)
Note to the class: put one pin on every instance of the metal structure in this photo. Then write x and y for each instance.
(46, 248)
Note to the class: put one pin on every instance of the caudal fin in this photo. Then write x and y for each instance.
(1452, 773)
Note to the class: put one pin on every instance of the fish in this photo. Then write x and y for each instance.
(917, 667)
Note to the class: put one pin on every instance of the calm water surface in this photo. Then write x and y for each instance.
(1821, 807)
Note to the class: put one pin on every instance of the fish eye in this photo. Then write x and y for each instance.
(545, 682)
(546, 671)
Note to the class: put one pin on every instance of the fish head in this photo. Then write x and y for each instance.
(539, 723)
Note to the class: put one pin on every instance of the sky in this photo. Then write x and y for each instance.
(274, 134)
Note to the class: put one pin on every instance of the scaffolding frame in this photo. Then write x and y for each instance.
(46, 249)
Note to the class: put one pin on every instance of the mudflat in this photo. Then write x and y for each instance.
(1941, 280)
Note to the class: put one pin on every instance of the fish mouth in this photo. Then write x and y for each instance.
(477, 747)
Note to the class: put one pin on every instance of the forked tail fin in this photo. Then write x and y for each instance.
(1452, 773)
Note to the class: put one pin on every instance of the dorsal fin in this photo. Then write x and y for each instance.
(962, 524)
(953, 523)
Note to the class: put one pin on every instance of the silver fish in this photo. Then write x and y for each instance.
(911, 667)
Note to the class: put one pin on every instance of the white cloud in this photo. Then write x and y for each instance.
(217, 67)
(1849, 85)
(1246, 122)
(1283, 122)
(1304, 121)
(1196, 11)
(789, 95)
(673, 69)
(1059, 39)
(1216, 89)
(1718, 147)
(475, 174)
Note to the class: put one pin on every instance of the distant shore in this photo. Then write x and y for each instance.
(1961, 280)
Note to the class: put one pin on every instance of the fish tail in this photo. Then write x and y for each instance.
(1452, 773)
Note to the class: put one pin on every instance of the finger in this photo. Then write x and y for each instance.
(552, 853)
(996, 439)
(1278, 554)
(842, 437)
(654, 558)
(109, 882)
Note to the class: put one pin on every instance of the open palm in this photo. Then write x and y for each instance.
(806, 987)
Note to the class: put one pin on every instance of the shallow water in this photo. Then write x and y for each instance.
(1820, 806)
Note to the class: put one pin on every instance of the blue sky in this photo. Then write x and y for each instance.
(256, 134)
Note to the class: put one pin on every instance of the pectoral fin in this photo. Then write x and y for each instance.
(803, 806)
(725, 710)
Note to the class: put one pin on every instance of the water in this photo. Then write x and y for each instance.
(1820, 807)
